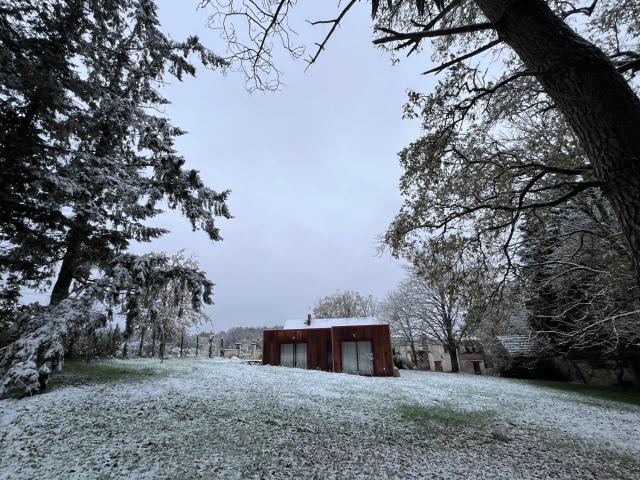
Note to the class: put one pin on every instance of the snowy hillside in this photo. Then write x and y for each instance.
(217, 418)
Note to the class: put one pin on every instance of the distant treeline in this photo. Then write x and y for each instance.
(243, 335)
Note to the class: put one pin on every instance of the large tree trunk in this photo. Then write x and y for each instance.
(596, 100)
(453, 355)
(75, 237)
(414, 355)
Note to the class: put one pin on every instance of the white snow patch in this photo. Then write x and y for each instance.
(330, 322)
(226, 419)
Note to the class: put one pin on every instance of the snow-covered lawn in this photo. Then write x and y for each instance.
(224, 419)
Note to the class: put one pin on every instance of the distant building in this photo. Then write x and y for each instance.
(513, 353)
(243, 351)
(515, 346)
(474, 358)
(431, 354)
(350, 345)
(410, 354)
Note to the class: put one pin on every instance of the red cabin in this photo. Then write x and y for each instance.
(350, 345)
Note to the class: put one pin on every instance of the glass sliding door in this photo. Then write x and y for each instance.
(357, 357)
(286, 354)
(349, 357)
(293, 355)
(300, 355)
(365, 358)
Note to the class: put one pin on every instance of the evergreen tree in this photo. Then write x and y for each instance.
(162, 293)
(134, 284)
(88, 158)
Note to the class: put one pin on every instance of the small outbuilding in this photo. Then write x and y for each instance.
(350, 345)
(517, 356)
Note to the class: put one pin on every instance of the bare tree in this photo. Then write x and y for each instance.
(444, 297)
(439, 311)
(398, 309)
(347, 304)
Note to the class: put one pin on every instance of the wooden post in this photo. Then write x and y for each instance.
(210, 346)
(181, 343)
(163, 341)
(141, 341)
(222, 347)
(197, 345)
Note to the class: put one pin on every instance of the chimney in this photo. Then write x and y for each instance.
(308, 321)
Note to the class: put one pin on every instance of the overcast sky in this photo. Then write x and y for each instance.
(312, 168)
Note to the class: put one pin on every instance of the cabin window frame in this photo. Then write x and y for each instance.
(296, 357)
(371, 358)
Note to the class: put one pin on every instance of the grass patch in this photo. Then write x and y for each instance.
(110, 371)
(445, 414)
(586, 392)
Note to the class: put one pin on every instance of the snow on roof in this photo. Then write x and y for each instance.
(330, 322)
(518, 345)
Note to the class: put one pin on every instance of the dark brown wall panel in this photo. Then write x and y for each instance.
(316, 339)
(380, 340)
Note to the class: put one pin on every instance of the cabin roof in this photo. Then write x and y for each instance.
(518, 345)
(330, 322)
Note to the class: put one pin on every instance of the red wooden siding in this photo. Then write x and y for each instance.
(318, 339)
(380, 340)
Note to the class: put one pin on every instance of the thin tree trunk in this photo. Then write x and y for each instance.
(594, 97)
(114, 342)
(163, 342)
(142, 332)
(132, 312)
(414, 355)
(153, 343)
(181, 343)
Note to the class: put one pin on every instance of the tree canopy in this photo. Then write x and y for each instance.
(531, 97)
(346, 304)
(88, 158)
